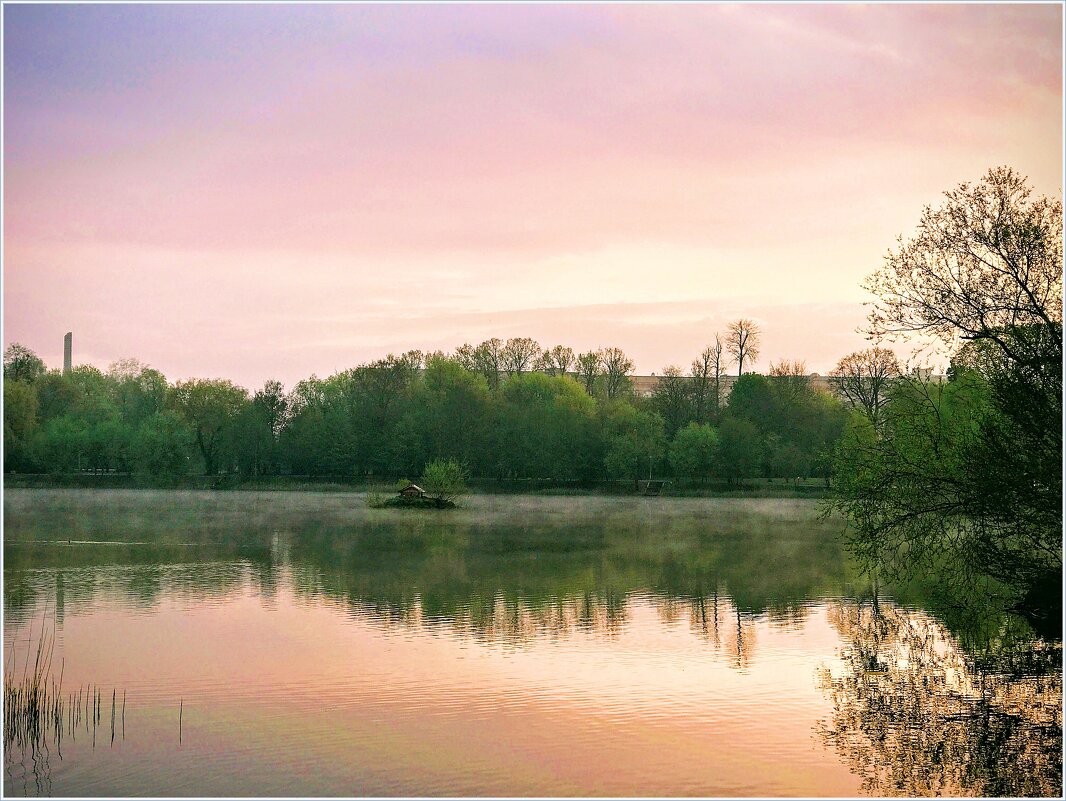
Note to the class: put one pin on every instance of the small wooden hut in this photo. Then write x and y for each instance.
(412, 491)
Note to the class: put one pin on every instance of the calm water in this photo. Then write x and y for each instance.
(518, 646)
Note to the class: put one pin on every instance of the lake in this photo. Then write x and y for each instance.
(302, 644)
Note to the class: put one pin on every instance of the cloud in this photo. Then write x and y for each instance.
(208, 169)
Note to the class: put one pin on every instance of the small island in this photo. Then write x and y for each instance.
(445, 480)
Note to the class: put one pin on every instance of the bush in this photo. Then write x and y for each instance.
(444, 480)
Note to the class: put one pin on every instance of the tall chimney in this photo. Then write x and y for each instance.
(66, 351)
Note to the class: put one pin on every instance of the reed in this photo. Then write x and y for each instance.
(36, 710)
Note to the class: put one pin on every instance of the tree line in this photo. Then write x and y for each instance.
(505, 410)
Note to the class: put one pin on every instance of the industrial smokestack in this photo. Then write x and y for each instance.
(67, 340)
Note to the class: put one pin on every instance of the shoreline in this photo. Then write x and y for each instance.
(754, 488)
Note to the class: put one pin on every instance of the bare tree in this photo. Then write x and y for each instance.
(672, 399)
(616, 368)
(589, 365)
(707, 379)
(862, 378)
(742, 342)
(987, 265)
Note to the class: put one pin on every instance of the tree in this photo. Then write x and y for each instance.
(707, 380)
(519, 355)
(634, 442)
(694, 451)
(739, 450)
(742, 342)
(559, 360)
(861, 380)
(790, 380)
(444, 480)
(211, 409)
(61, 444)
(22, 364)
(589, 366)
(985, 267)
(672, 399)
(161, 447)
(20, 423)
(544, 428)
(449, 416)
(616, 369)
(258, 430)
(139, 391)
(488, 360)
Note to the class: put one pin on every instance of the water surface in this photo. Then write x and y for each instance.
(518, 646)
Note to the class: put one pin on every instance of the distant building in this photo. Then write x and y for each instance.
(412, 491)
(67, 347)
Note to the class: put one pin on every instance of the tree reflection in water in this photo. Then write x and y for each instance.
(914, 714)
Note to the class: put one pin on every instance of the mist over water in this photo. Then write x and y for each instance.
(517, 646)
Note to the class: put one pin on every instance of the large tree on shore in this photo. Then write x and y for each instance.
(975, 471)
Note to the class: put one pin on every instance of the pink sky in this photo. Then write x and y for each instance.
(261, 192)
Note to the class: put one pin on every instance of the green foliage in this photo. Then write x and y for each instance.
(20, 423)
(635, 441)
(739, 450)
(162, 446)
(211, 409)
(61, 444)
(501, 410)
(444, 480)
(694, 451)
(970, 473)
(22, 364)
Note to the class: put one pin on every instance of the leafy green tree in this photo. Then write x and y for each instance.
(740, 449)
(488, 360)
(108, 446)
(211, 409)
(61, 444)
(20, 423)
(985, 267)
(694, 451)
(448, 416)
(545, 427)
(635, 442)
(258, 429)
(138, 391)
(162, 446)
(444, 480)
(22, 364)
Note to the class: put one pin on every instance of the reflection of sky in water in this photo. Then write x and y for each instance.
(342, 660)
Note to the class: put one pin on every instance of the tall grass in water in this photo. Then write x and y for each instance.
(36, 711)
